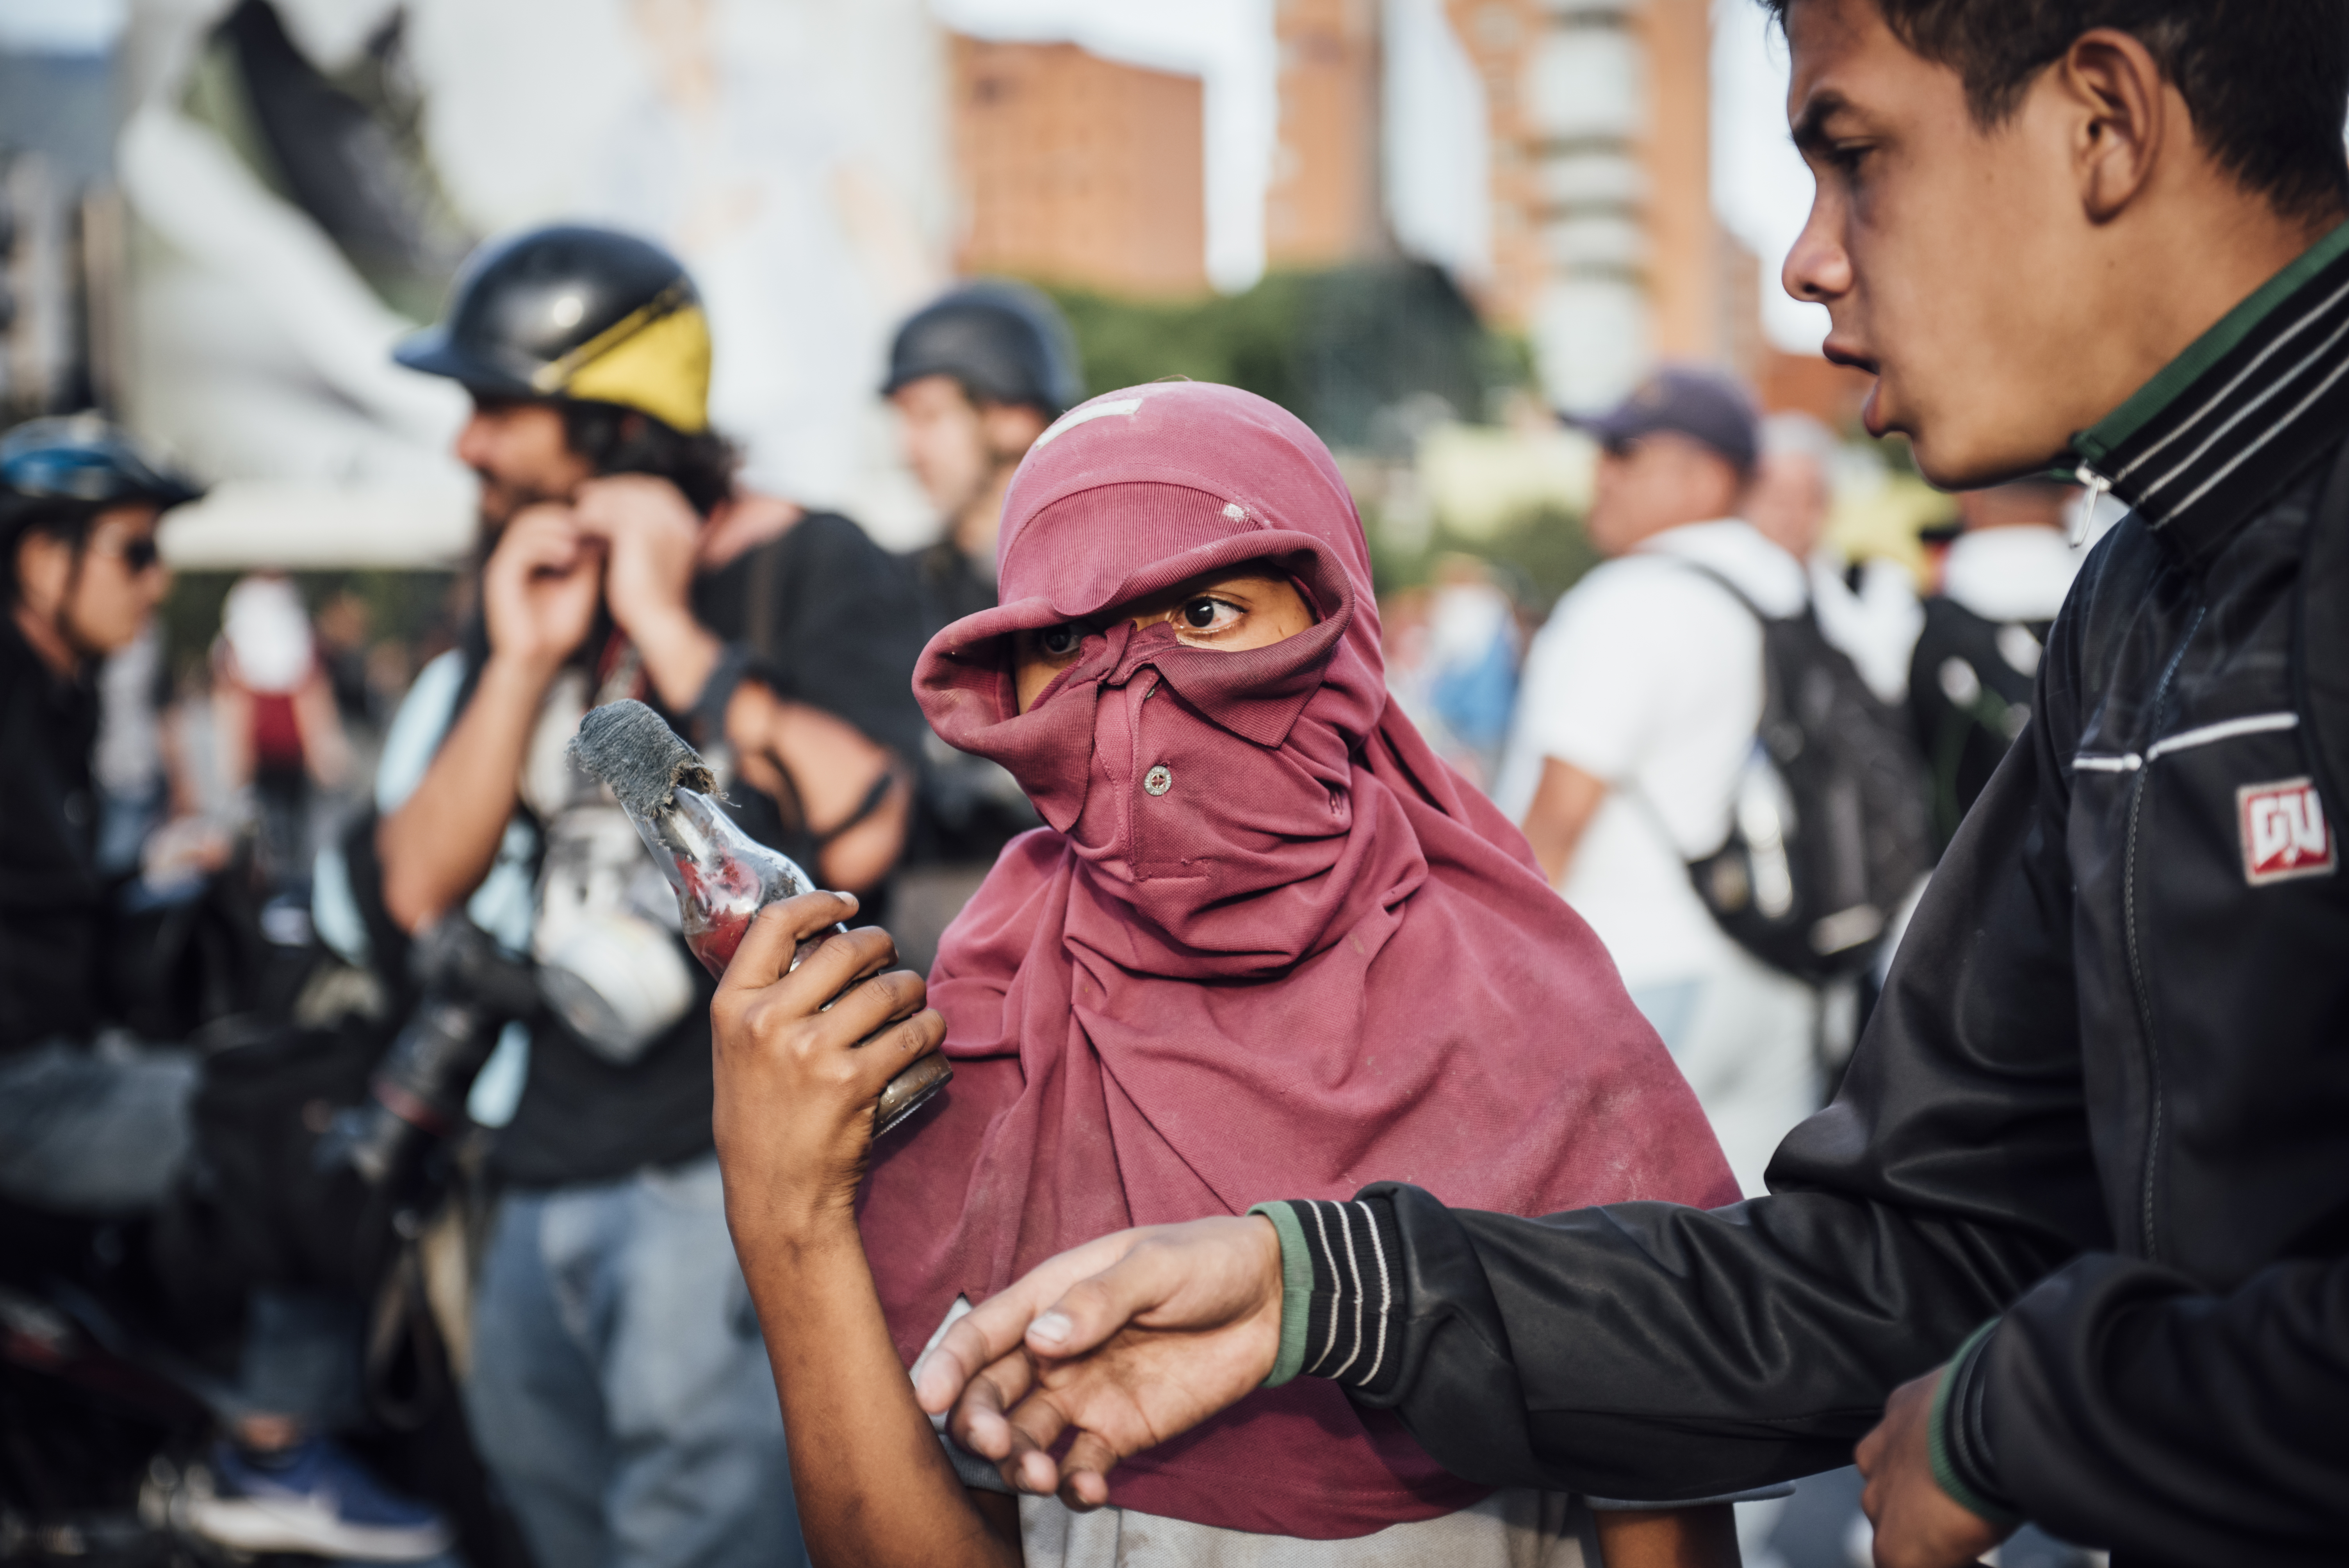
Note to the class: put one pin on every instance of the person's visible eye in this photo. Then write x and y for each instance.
(1206, 613)
(1059, 641)
(1845, 157)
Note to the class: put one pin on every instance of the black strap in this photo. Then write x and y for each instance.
(764, 569)
(709, 717)
(1774, 694)
(1732, 589)
(2321, 642)
(864, 808)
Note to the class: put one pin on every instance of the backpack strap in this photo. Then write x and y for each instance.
(1732, 589)
(1775, 696)
(2320, 641)
(763, 615)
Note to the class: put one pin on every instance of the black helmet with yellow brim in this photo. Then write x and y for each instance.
(585, 315)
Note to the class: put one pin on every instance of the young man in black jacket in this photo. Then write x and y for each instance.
(2073, 1242)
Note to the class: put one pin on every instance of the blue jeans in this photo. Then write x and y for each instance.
(619, 1391)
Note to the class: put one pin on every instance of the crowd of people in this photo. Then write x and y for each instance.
(1518, 1143)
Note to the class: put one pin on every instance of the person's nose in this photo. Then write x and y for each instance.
(476, 442)
(1818, 268)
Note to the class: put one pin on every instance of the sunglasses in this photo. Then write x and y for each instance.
(139, 556)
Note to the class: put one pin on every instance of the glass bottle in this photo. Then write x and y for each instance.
(723, 877)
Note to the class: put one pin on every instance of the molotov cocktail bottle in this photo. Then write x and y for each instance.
(723, 877)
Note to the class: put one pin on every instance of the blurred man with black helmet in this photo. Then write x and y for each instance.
(975, 376)
(96, 1126)
(619, 1388)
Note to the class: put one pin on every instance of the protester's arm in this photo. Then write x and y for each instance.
(326, 749)
(795, 1090)
(1668, 1537)
(539, 594)
(856, 796)
(1564, 803)
(844, 785)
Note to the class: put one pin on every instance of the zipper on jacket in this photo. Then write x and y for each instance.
(2083, 513)
(2138, 985)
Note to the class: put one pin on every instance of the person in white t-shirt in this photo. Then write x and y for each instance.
(1639, 705)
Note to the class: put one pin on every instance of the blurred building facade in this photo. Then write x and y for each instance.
(1077, 170)
(1324, 205)
(1605, 248)
(1595, 150)
(61, 229)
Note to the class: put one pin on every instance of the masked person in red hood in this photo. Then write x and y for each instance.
(1265, 942)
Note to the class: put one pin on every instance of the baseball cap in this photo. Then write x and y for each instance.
(1704, 406)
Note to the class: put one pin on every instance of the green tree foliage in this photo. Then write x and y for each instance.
(1351, 351)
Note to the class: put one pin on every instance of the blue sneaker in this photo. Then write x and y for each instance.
(312, 1497)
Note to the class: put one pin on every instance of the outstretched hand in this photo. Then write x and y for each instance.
(1127, 1341)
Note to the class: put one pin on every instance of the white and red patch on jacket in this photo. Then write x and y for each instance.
(2284, 831)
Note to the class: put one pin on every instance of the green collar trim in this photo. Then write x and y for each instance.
(2173, 379)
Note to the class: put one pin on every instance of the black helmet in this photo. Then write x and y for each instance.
(587, 314)
(82, 460)
(1004, 342)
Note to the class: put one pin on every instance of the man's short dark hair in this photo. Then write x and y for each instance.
(618, 440)
(2267, 81)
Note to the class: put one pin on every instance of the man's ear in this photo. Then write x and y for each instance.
(2123, 117)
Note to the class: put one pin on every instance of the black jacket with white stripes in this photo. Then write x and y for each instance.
(2103, 1107)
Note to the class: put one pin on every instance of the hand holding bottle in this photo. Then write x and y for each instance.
(801, 1047)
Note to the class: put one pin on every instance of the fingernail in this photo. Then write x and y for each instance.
(1053, 1328)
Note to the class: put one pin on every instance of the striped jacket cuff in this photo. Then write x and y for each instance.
(1958, 1439)
(1341, 1306)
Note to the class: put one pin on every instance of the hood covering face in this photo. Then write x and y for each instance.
(1268, 945)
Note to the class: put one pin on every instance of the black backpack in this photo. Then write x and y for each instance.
(1828, 832)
